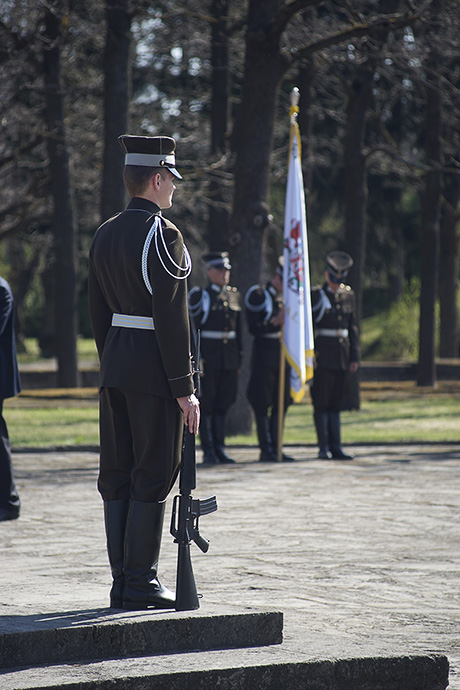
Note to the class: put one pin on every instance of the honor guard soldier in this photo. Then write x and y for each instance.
(265, 317)
(336, 352)
(216, 312)
(138, 268)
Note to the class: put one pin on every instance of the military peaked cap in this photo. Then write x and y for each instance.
(151, 152)
(338, 265)
(217, 260)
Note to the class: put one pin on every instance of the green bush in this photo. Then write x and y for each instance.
(399, 339)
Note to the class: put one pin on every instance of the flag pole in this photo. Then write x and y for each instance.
(293, 111)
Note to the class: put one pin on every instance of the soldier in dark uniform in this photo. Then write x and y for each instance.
(216, 311)
(10, 386)
(336, 352)
(138, 267)
(265, 317)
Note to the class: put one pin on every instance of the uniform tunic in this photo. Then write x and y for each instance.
(334, 311)
(142, 371)
(263, 302)
(217, 310)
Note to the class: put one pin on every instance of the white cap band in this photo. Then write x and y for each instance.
(150, 160)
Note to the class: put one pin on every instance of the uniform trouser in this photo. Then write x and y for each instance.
(218, 393)
(218, 390)
(9, 497)
(328, 389)
(263, 394)
(141, 442)
(263, 389)
(327, 393)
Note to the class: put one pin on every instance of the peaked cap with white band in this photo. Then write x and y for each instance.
(217, 260)
(150, 152)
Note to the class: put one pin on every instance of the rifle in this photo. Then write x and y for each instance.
(186, 513)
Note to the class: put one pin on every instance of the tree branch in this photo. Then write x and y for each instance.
(380, 25)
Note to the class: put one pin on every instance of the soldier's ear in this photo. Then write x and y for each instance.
(155, 181)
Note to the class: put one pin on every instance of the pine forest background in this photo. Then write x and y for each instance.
(380, 123)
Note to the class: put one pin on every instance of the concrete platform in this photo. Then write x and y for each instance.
(360, 557)
(101, 635)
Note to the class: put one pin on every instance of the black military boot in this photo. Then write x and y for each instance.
(218, 428)
(207, 440)
(142, 550)
(274, 437)
(334, 437)
(265, 439)
(321, 424)
(115, 516)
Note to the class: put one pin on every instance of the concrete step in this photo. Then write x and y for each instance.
(52, 642)
(236, 670)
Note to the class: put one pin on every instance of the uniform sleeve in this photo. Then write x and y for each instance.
(170, 310)
(259, 310)
(99, 312)
(353, 334)
(239, 336)
(6, 306)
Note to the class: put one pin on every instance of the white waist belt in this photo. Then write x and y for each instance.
(333, 332)
(132, 321)
(219, 335)
(274, 336)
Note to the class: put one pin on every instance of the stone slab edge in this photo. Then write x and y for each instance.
(141, 638)
(374, 673)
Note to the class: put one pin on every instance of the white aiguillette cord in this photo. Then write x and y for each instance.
(156, 231)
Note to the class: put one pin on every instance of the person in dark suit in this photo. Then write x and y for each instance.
(265, 317)
(10, 385)
(138, 268)
(336, 352)
(216, 312)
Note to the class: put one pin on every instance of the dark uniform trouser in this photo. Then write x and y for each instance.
(141, 442)
(218, 390)
(327, 393)
(328, 389)
(9, 497)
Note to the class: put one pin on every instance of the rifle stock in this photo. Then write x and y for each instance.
(184, 526)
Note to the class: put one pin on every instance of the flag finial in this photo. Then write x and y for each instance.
(294, 109)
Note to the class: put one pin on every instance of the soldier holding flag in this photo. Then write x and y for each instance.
(265, 317)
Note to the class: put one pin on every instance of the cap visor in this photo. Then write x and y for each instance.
(175, 173)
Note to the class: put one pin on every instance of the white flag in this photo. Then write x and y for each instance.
(298, 326)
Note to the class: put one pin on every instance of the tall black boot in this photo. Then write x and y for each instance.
(334, 437)
(207, 440)
(321, 424)
(274, 436)
(265, 439)
(142, 550)
(218, 429)
(115, 516)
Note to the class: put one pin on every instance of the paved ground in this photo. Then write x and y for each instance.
(362, 557)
